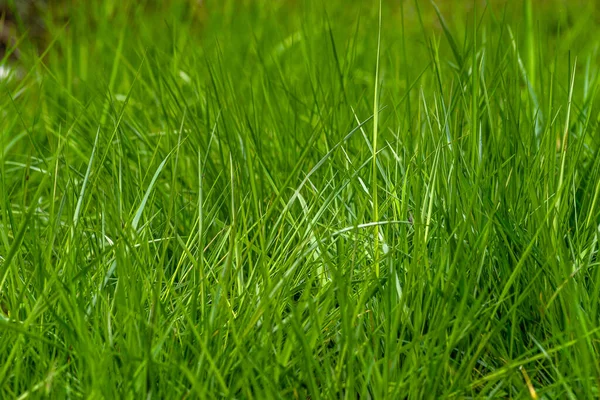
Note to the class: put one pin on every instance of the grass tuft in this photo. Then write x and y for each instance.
(221, 199)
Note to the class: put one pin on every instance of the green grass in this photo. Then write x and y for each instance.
(302, 199)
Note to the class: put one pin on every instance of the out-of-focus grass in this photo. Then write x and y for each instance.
(187, 202)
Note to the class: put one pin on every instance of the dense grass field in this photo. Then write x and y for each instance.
(302, 199)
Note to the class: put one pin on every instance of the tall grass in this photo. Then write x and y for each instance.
(302, 200)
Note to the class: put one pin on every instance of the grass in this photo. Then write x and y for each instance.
(302, 199)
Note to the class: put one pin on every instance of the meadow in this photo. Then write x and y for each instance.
(301, 199)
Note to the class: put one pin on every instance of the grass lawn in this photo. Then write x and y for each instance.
(302, 199)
